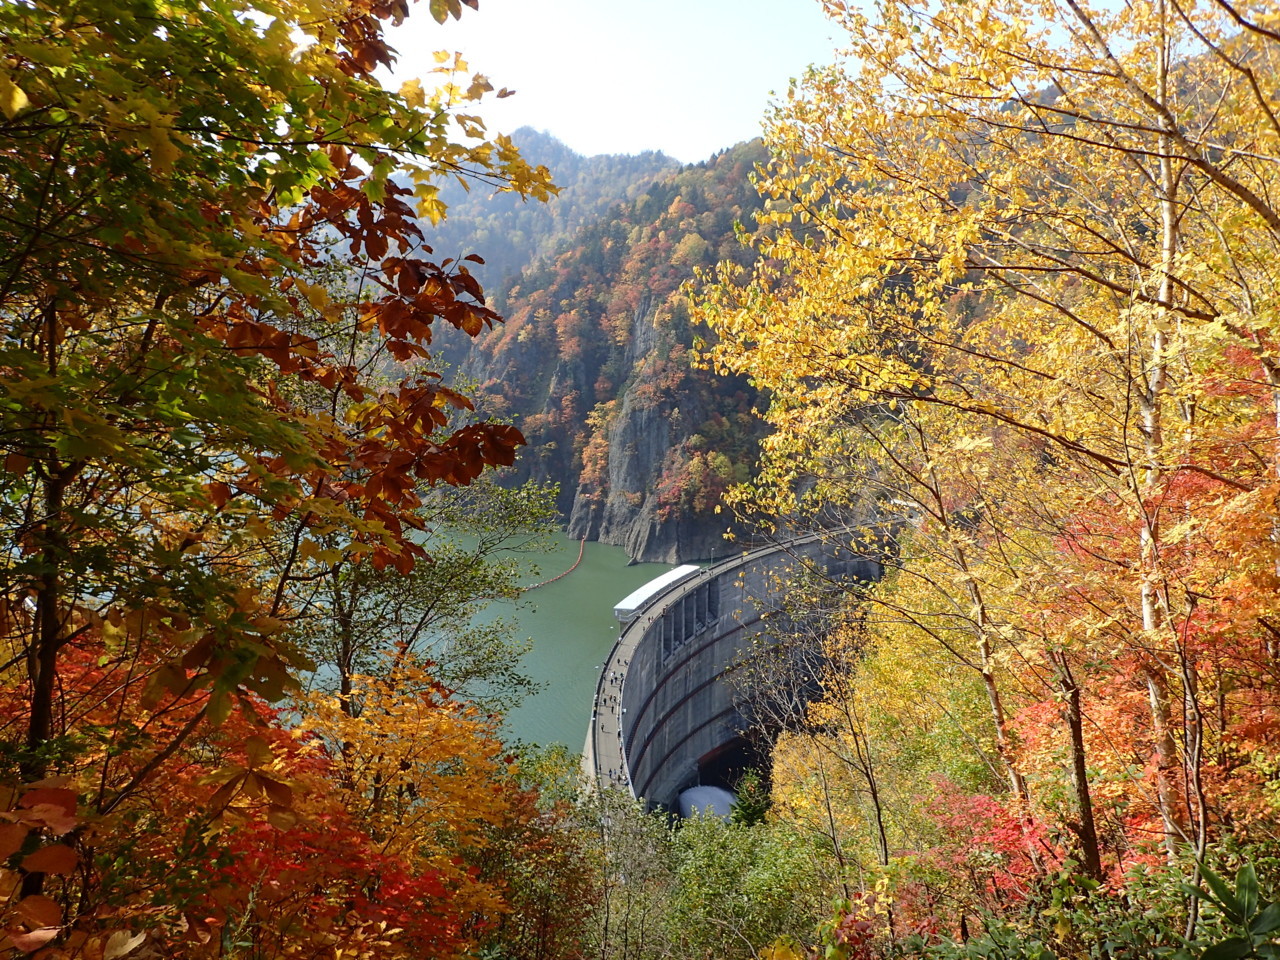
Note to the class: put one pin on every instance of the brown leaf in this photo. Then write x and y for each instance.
(258, 752)
(11, 837)
(282, 819)
(55, 858)
(279, 793)
(38, 910)
(219, 493)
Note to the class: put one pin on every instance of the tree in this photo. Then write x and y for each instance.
(420, 772)
(637, 883)
(738, 888)
(751, 803)
(362, 618)
(178, 179)
(1007, 296)
(548, 860)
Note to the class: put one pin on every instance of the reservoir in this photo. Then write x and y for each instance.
(572, 627)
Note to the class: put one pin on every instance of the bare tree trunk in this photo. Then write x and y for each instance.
(1086, 829)
(1017, 782)
(1194, 751)
(981, 615)
(1167, 759)
(47, 630)
(862, 761)
(834, 830)
(1154, 620)
(42, 660)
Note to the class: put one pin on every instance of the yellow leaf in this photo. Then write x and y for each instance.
(164, 152)
(413, 94)
(12, 99)
(315, 293)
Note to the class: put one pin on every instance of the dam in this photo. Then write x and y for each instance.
(666, 708)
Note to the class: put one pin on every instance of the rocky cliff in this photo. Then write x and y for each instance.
(623, 499)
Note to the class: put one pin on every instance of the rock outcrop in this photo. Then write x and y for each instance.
(628, 509)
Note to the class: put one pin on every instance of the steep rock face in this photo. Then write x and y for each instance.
(595, 365)
(623, 471)
(626, 507)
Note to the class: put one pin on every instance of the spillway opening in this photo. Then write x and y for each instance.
(725, 765)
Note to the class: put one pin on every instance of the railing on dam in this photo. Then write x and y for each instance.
(663, 703)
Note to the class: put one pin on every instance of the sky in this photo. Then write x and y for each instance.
(687, 77)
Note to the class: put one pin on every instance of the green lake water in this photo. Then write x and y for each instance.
(572, 627)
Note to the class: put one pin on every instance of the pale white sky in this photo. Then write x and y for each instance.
(687, 77)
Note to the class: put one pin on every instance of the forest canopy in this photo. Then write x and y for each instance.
(216, 404)
(1015, 308)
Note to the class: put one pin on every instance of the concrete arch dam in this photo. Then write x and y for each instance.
(665, 707)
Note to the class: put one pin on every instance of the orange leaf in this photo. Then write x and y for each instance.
(54, 817)
(10, 880)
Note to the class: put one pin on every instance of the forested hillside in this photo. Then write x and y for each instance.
(594, 362)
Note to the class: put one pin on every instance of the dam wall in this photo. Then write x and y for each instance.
(665, 704)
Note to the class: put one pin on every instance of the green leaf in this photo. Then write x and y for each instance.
(440, 10)
(1232, 949)
(1268, 921)
(1223, 896)
(219, 707)
(1247, 890)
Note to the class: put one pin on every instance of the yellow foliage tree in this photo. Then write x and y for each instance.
(421, 772)
(1014, 312)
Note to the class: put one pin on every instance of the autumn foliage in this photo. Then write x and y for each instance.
(216, 394)
(1015, 308)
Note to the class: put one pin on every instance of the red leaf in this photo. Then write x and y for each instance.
(66, 799)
